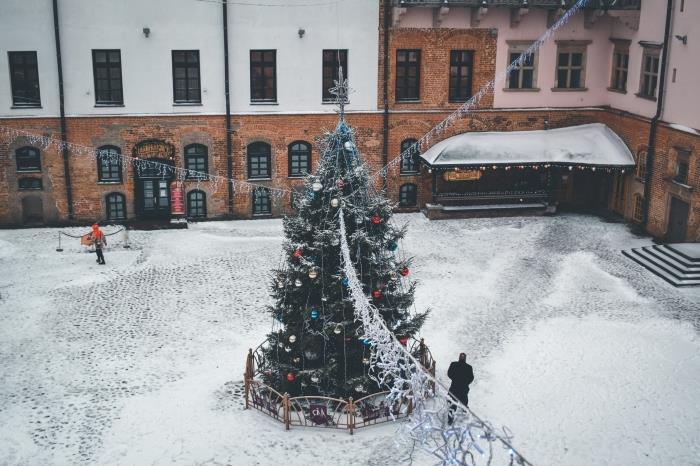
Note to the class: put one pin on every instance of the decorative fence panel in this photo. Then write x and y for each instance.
(327, 412)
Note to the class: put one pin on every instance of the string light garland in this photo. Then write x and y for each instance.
(142, 165)
(469, 440)
(426, 140)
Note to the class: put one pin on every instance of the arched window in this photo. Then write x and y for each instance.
(196, 161)
(259, 160)
(28, 159)
(407, 195)
(409, 163)
(116, 206)
(196, 204)
(262, 204)
(642, 165)
(109, 164)
(299, 158)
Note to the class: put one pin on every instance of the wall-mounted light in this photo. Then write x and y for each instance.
(301, 32)
(146, 32)
(683, 38)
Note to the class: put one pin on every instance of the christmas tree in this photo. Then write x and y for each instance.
(319, 348)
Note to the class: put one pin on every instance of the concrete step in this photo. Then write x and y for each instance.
(689, 251)
(681, 275)
(643, 259)
(671, 259)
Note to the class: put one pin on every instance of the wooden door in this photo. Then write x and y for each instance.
(677, 221)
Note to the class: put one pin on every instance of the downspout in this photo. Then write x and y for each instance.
(651, 146)
(64, 138)
(385, 90)
(229, 130)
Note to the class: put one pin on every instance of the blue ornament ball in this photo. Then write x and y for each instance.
(366, 342)
(345, 281)
(314, 314)
(393, 246)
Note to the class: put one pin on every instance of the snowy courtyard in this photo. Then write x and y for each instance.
(585, 356)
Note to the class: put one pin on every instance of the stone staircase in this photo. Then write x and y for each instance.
(678, 264)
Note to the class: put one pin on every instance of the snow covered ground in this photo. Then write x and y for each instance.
(584, 355)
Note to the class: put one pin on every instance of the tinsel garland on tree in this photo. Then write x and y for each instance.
(320, 349)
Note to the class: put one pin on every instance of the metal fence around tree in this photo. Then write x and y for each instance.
(323, 411)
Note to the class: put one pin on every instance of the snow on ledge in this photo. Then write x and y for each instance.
(591, 144)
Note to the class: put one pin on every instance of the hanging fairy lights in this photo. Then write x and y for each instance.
(428, 138)
(468, 440)
(142, 165)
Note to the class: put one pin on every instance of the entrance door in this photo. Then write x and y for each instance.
(677, 221)
(155, 197)
(32, 210)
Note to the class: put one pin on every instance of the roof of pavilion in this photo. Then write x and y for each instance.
(591, 144)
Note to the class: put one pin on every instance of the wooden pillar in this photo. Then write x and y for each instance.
(351, 415)
(285, 411)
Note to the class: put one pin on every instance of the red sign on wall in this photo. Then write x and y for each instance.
(177, 198)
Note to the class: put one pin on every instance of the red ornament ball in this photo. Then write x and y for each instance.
(376, 294)
(297, 253)
(403, 340)
(376, 219)
(290, 377)
(404, 271)
(339, 184)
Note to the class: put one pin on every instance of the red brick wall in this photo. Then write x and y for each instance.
(435, 46)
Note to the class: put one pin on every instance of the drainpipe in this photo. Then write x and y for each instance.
(229, 130)
(651, 146)
(385, 90)
(64, 138)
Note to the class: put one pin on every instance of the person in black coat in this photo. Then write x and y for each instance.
(461, 374)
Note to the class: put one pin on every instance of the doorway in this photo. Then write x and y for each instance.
(153, 190)
(677, 221)
(32, 210)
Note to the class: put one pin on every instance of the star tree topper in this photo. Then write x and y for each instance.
(341, 90)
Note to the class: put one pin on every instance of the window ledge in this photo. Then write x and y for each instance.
(296, 177)
(262, 102)
(194, 178)
(29, 189)
(521, 89)
(618, 91)
(19, 107)
(259, 179)
(29, 171)
(110, 182)
(569, 89)
(409, 174)
(681, 185)
(187, 104)
(108, 105)
(646, 97)
(269, 214)
(333, 102)
(408, 101)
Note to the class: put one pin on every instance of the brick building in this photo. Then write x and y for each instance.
(241, 91)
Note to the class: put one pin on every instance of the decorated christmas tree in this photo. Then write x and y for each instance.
(317, 347)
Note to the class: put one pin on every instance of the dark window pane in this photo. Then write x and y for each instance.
(561, 78)
(24, 77)
(186, 86)
(28, 159)
(527, 79)
(576, 59)
(116, 206)
(575, 79)
(108, 77)
(563, 59)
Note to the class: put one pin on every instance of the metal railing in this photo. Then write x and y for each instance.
(591, 4)
(323, 411)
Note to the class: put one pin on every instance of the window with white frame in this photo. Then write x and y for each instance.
(571, 65)
(524, 76)
(650, 72)
(620, 65)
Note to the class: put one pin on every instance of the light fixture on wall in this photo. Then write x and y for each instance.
(301, 32)
(147, 32)
(683, 38)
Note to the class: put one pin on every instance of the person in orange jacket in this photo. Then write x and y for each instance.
(99, 240)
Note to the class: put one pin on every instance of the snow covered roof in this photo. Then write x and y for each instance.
(592, 144)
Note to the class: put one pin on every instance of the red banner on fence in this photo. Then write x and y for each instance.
(177, 198)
